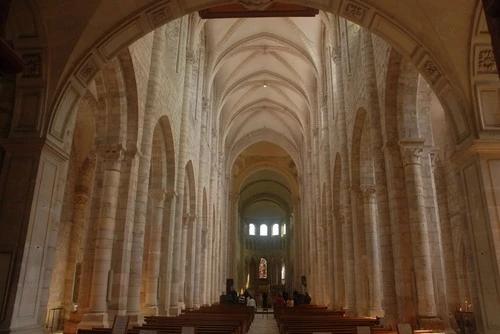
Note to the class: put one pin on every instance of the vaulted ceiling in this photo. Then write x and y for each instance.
(263, 73)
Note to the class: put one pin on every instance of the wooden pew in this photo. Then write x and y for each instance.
(309, 323)
(230, 319)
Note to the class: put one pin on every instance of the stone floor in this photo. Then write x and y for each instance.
(263, 323)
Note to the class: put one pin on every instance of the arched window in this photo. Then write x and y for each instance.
(283, 274)
(251, 229)
(276, 229)
(283, 229)
(263, 229)
(263, 268)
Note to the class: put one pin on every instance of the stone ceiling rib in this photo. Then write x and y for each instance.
(270, 105)
(278, 79)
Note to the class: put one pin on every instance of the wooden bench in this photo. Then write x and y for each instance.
(308, 323)
(230, 319)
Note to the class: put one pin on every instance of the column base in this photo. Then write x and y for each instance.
(29, 330)
(135, 319)
(97, 319)
(430, 322)
(376, 312)
(174, 311)
(150, 310)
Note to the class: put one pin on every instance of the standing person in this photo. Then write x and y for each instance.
(264, 300)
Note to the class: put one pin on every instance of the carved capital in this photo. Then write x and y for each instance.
(206, 104)
(191, 56)
(336, 55)
(369, 192)
(157, 196)
(188, 220)
(411, 150)
(80, 200)
(411, 155)
(435, 161)
(112, 156)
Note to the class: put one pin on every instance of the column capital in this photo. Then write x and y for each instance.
(336, 55)
(80, 200)
(157, 196)
(112, 155)
(191, 56)
(435, 161)
(188, 220)
(368, 189)
(411, 150)
(206, 104)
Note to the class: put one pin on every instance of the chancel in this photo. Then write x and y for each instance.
(159, 157)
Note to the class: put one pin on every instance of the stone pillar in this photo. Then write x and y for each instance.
(370, 211)
(348, 258)
(32, 182)
(345, 200)
(411, 151)
(143, 170)
(191, 249)
(101, 275)
(79, 227)
(183, 258)
(157, 197)
(177, 229)
(167, 250)
(381, 167)
(479, 163)
(202, 260)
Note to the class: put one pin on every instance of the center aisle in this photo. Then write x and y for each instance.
(264, 324)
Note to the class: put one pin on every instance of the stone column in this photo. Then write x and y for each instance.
(345, 200)
(385, 233)
(183, 258)
(32, 178)
(79, 228)
(98, 316)
(157, 197)
(479, 164)
(370, 211)
(167, 250)
(177, 229)
(348, 258)
(202, 268)
(411, 151)
(143, 171)
(191, 248)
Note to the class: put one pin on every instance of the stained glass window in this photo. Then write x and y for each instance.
(263, 267)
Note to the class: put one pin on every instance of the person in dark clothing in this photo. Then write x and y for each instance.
(233, 297)
(264, 300)
(296, 300)
(285, 295)
(307, 299)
